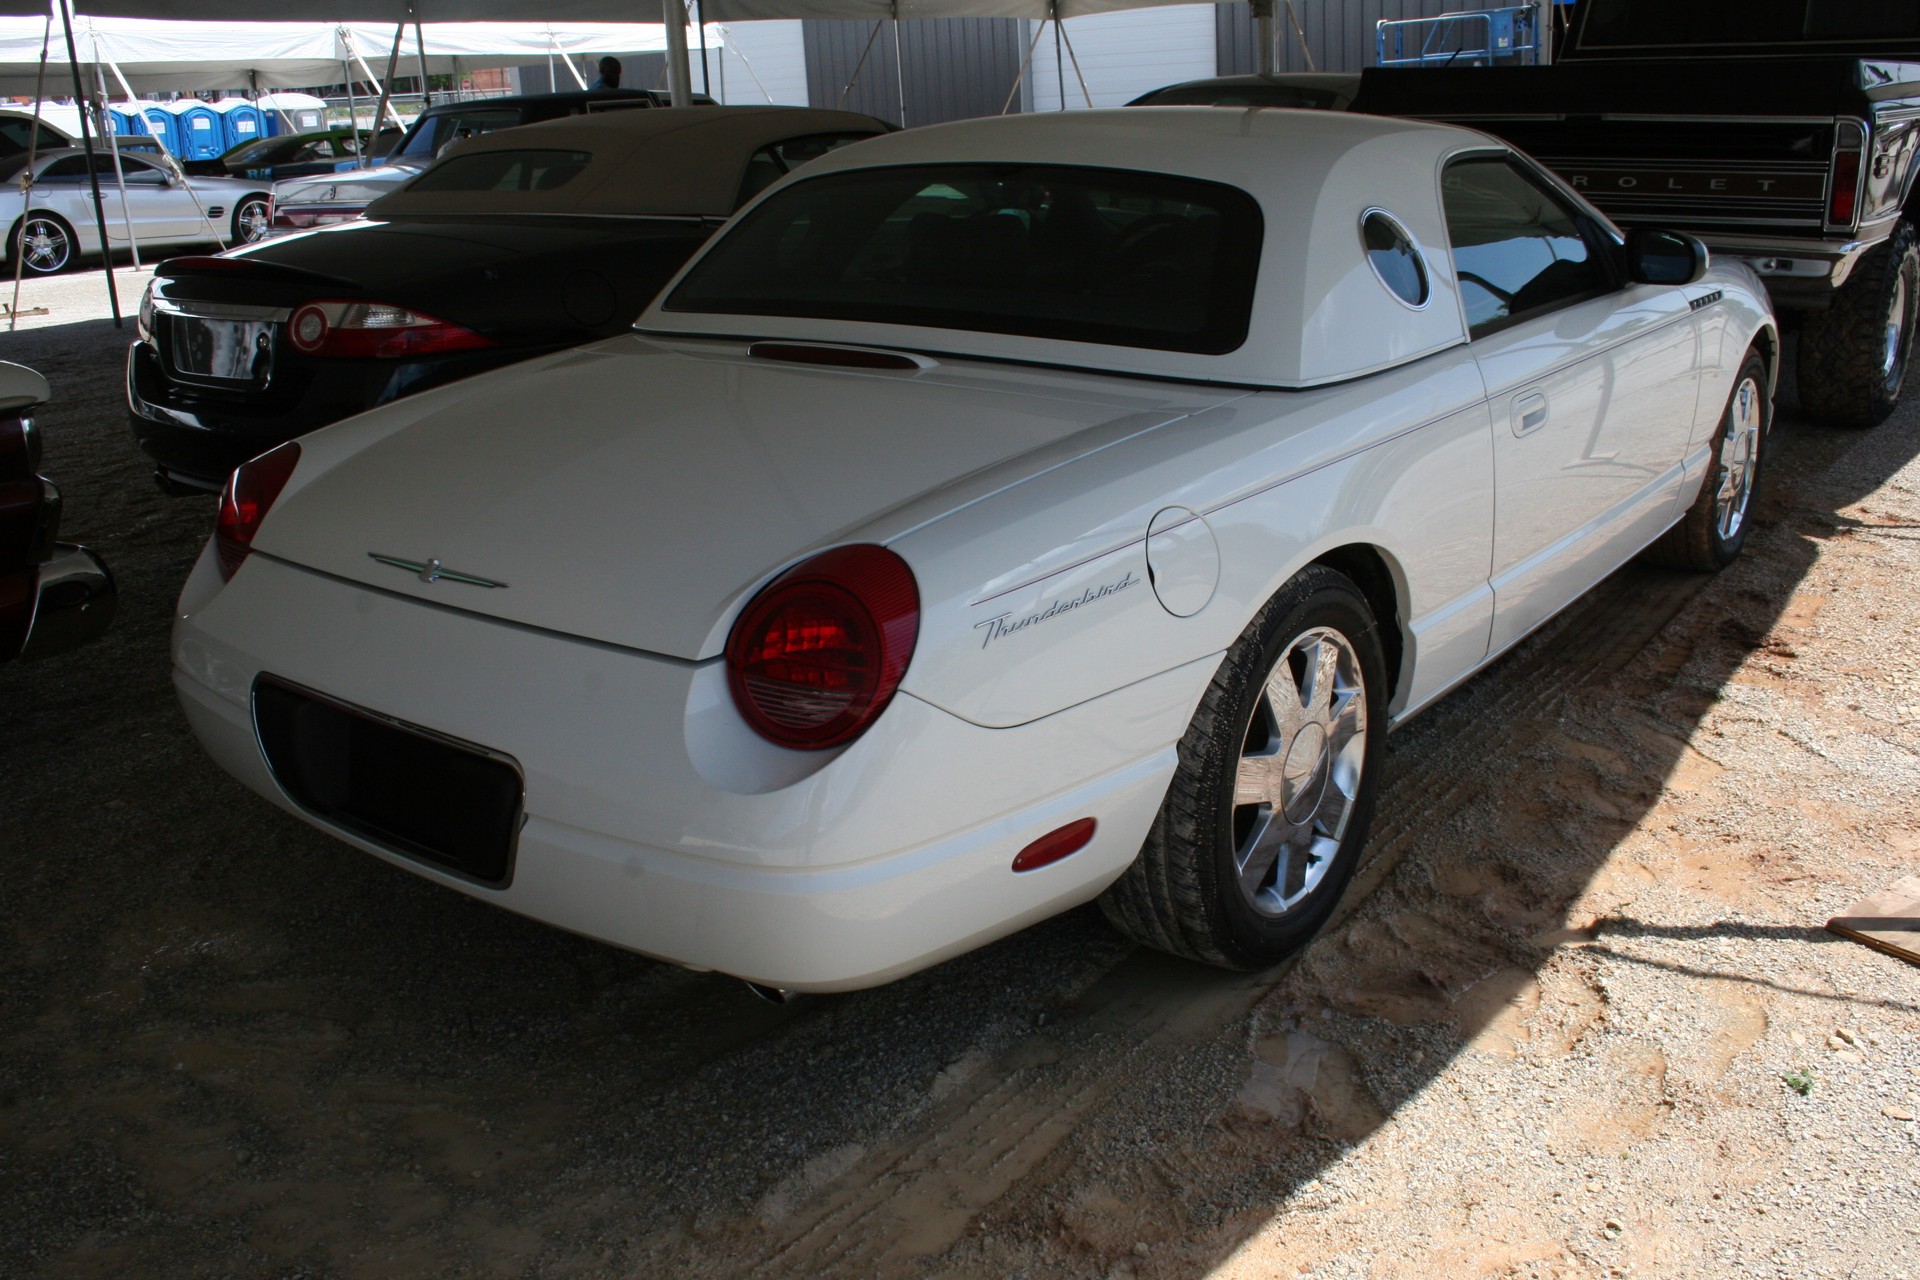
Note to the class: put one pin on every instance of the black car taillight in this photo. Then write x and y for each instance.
(376, 331)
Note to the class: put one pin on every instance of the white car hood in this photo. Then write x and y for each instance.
(351, 186)
(634, 493)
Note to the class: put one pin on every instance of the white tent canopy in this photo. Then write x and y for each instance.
(160, 56)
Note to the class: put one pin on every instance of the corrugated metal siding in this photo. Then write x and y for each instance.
(762, 62)
(1338, 32)
(955, 68)
(1122, 55)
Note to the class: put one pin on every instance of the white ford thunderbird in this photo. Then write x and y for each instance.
(995, 517)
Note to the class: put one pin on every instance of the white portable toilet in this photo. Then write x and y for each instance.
(292, 112)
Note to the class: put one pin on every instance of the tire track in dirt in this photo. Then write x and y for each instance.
(914, 1195)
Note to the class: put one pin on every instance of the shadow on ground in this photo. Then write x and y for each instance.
(236, 1046)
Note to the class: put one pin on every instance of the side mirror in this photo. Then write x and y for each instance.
(1665, 257)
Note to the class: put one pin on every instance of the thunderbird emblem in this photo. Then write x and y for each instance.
(432, 571)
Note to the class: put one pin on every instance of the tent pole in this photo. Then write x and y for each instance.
(1025, 62)
(674, 14)
(1075, 59)
(1263, 59)
(26, 175)
(93, 176)
(353, 113)
(899, 70)
(706, 73)
(420, 47)
(113, 149)
(386, 89)
(1059, 60)
(855, 77)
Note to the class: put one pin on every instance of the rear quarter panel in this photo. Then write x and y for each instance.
(1041, 596)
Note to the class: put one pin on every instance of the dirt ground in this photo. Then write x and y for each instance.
(1580, 1017)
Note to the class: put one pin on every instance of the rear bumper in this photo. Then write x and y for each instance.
(649, 824)
(197, 438)
(73, 603)
(1800, 275)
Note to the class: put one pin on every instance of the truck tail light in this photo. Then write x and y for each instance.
(816, 656)
(250, 492)
(1846, 186)
(376, 331)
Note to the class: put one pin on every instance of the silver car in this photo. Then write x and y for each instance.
(55, 223)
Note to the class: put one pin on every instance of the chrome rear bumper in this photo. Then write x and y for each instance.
(72, 605)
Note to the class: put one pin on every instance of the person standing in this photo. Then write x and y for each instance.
(609, 75)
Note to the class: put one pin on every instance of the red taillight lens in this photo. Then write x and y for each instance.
(816, 656)
(244, 503)
(375, 331)
(1846, 184)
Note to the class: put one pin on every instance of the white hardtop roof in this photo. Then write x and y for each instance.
(1320, 314)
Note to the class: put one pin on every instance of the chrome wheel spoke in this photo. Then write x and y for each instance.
(1261, 851)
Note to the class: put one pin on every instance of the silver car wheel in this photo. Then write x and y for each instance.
(1299, 771)
(46, 244)
(250, 221)
(1739, 450)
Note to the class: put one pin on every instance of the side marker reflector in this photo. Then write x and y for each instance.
(1055, 845)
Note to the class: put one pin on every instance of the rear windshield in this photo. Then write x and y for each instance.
(504, 171)
(431, 133)
(1048, 251)
(1656, 23)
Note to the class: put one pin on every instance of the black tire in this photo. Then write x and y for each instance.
(1854, 355)
(250, 222)
(1715, 527)
(1184, 893)
(45, 240)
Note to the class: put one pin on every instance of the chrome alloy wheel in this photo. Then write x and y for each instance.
(45, 244)
(1739, 458)
(250, 224)
(1299, 771)
(1893, 349)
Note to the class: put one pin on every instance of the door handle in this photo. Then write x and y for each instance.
(1529, 414)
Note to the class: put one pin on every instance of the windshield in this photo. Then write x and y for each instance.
(1049, 251)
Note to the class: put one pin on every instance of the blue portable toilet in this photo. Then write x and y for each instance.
(197, 128)
(240, 121)
(156, 121)
(122, 119)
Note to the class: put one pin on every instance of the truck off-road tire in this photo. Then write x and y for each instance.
(1853, 355)
(1269, 806)
(1715, 527)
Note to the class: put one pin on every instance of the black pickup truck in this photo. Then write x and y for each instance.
(1785, 133)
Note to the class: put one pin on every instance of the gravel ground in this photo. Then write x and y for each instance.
(1583, 1022)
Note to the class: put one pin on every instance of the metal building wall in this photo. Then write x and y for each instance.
(1339, 33)
(955, 68)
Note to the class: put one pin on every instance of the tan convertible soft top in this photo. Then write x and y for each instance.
(675, 162)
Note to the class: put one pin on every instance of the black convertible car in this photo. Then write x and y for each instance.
(509, 246)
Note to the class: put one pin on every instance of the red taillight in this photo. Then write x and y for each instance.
(816, 656)
(375, 331)
(244, 503)
(1055, 845)
(1846, 184)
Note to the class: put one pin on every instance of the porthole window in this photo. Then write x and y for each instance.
(1393, 257)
